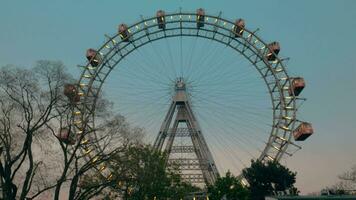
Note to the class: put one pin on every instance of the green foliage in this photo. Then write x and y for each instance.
(146, 173)
(268, 178)
(149, 177)
(228, 187)
(139, 173)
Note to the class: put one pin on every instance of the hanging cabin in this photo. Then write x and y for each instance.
(297, 86)
(64, 135)
(93, 57)
(273, 50)
(71, 92)
(200, 17)
(161, 20)
(124, 32)
(239, 27)
(303, 131)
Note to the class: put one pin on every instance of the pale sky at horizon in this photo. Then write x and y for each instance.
(318, 36)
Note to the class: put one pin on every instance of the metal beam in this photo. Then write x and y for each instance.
(181, 109)
(182, 149)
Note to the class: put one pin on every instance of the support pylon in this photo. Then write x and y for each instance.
(195, 161)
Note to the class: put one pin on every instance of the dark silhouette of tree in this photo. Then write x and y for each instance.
(114, 136)
(27, 101)
(268, 179)
(33, 160)
(349, 175)
(346, 184)
(229, 188)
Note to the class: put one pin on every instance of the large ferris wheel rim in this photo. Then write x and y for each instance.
(178, 18)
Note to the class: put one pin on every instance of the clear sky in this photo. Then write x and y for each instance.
(318, 36)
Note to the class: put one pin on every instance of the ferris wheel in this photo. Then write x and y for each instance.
(207, 90)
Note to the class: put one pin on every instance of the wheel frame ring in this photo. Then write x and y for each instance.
(89, 85)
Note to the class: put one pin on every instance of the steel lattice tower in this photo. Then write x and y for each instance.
(197, 165)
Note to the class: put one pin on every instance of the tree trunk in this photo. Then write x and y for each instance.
(73, 187)
(27, 183)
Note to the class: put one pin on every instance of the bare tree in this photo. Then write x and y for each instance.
(116, 138)
(27, 100)
(346, 184)
(34, 157)
(349, 175)
(348, 181)
(113, 137)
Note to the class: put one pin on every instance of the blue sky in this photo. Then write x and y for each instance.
(318, 36)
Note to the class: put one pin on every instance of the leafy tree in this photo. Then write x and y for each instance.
(228, 187)
(140, 173)
(146, 173)
(268, 178)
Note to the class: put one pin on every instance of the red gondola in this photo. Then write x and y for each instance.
(303, 131)
(297, 86)
(239, 27)
(93, 57)
(200, 17)
(161, 20)
(124, 32)
(71, 92)
(65, 136)
(273, 50)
